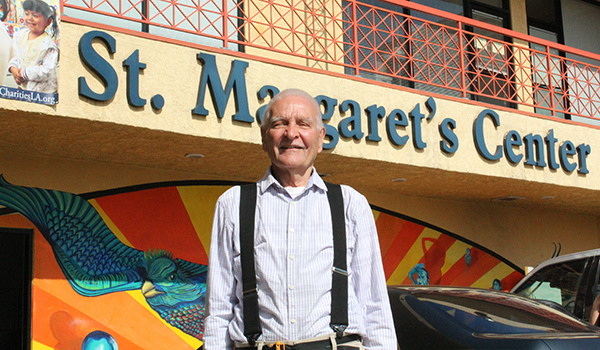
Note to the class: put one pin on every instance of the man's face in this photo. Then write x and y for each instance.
(292, 139)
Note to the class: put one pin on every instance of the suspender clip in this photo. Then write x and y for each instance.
(252, 338)
(340, 271)
(338, 329)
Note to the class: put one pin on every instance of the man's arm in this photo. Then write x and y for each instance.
(369, 278)
(221, 283)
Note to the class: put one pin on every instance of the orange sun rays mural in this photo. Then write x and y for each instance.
(127, 268)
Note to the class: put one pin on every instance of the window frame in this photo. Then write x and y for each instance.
(26, 287)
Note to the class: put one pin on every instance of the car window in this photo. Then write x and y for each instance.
(558, 283)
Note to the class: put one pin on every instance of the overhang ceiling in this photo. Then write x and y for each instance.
(35, 135)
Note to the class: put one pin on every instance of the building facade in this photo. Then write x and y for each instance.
(470, 126)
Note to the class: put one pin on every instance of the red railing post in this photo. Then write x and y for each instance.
(225, 20)
(550, 85)
(461, 62)
(355, 37)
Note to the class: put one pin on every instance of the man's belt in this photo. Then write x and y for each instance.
(313, 345)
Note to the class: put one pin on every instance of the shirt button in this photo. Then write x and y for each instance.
(292, 230)
(293, 203)
(293, 321)
(292, 287)
(291, 257)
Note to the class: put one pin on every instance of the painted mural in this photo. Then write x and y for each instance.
(127, 268)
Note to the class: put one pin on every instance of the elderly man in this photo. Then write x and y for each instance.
(293, 252)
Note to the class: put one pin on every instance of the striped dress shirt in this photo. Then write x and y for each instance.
(294, 259)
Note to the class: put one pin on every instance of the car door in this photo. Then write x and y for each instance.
(593, 288)
(571, 283)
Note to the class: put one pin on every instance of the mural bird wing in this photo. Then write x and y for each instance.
(92, 258)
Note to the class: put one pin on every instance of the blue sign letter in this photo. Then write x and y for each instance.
(480, 139)
(397, 118)
(353, 119)
(331, 132)
(220, 97)
(449, 144)
(374, 113)
(133, 66)
(512, 139)
(267, 90)
(98, 65)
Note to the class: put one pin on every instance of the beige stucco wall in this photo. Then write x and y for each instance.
(176, 77)
(81, 146)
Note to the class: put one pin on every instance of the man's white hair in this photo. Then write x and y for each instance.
(266, 120)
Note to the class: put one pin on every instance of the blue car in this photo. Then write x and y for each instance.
(449, 318)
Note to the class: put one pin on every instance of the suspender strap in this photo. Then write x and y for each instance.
(339, 288)
(252, 327)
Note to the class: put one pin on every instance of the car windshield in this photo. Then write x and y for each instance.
(486, 313)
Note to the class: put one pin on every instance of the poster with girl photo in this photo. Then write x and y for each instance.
(29, 50)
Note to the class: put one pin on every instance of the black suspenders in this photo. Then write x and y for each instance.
(339, 288)
(339, 285)
(252, 328)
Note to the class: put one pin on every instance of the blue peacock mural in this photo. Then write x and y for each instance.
(96, 262)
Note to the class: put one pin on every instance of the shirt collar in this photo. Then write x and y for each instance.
(269, 180)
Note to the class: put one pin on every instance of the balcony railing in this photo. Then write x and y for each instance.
(393, 41)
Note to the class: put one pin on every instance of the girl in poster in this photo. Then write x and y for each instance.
(6, 47)
(36, 53)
